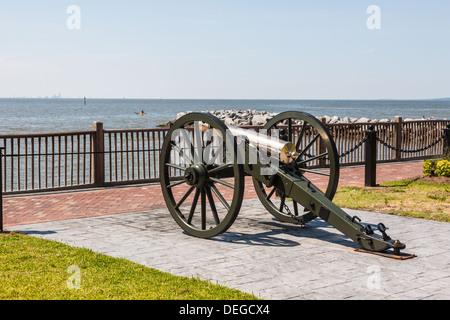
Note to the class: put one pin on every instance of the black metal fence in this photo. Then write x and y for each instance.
(99, 157)
(372, 141)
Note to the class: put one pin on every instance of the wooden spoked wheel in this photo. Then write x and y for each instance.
(318, 162)
(202, 184)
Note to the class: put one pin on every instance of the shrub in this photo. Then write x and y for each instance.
(436, 168)
(429, 167)
(443, 168)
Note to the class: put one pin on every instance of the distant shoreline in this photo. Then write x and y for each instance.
(221, 99)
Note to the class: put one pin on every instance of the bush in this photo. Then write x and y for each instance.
(429, 167)
(443, 168)
(435, 168)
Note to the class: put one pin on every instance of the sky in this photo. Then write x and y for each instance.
(228, 49)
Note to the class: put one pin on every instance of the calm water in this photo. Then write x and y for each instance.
(55, 115)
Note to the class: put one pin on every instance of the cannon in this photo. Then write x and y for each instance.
(204, 162)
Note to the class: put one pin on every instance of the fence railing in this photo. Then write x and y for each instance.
(404, 140)
(132, 155)
(46, 161)
(99, 157)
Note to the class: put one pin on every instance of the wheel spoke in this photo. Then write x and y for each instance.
(271, 193)
(203, 208)
(295, 207)
(212, 205)
(220, 168)
(181, 152)
(315, 172)
(219, 196)
(176, 166)
(176, 184)
(309, 145)
(300, 136)
(283, 199)
(313, 158)
(194, 204)
(227, 184)
(185, 197)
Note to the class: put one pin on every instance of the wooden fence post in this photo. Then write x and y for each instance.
(398, 137)
(98, 154)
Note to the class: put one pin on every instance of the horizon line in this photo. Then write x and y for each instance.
(249, 99)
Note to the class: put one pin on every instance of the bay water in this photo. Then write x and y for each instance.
(26, 115)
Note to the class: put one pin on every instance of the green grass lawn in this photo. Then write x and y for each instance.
(412, 198)
(33, 268)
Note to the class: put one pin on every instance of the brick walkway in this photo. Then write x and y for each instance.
(46, 207)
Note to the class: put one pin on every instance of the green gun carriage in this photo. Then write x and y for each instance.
(204, 162)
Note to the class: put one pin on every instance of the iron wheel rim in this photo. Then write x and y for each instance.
(208, 191)
(279, 210)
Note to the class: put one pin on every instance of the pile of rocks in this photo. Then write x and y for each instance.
(238, 117)
(247, 117)
(336, 119)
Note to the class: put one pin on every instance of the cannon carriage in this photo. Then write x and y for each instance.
(203, 165)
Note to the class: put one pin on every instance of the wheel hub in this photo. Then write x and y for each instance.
(196, 175)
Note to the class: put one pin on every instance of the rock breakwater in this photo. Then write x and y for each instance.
(238, 117)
